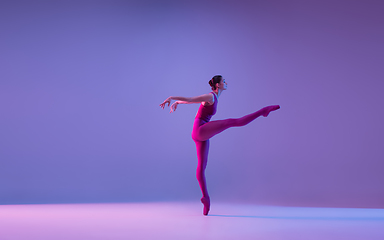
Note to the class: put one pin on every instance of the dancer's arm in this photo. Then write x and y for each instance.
(186, 100)
(174, 105)
(198, 99)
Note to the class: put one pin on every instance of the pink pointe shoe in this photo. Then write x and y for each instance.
(207, 204)
(269, 109)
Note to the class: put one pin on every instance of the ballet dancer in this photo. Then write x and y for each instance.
(204, 129)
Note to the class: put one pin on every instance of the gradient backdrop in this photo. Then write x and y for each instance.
(81, 83)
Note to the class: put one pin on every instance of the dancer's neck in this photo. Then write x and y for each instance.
(217, 92)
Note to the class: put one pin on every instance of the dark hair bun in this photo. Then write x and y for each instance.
(214, 80)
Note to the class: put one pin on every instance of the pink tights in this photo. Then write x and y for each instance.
(203, 131)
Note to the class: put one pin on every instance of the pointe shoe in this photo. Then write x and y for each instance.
(270, 109)
(207, 204)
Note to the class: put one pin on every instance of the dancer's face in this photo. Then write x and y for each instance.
(222, 85)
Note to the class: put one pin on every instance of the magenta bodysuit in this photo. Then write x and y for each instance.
(206, 112)
(203, 116)
(204, 129)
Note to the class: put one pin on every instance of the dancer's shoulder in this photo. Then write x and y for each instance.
(211, 99)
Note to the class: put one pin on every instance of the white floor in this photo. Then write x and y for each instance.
(184, 221)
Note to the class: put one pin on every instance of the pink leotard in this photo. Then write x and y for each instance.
(205, 113)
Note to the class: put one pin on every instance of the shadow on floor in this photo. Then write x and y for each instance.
(304, 218)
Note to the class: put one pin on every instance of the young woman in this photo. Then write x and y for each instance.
(204, 129)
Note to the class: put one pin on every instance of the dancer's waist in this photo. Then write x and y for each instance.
(203, 118)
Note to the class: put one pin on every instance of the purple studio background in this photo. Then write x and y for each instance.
(81, 84)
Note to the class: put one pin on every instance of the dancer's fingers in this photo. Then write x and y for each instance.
(174, 106)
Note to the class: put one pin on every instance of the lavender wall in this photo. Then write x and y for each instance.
(81, 83)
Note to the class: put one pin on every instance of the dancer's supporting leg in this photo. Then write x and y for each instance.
(202, 157)
(210, 129)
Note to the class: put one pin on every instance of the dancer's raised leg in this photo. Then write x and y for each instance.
(210, 129)
(202, 148)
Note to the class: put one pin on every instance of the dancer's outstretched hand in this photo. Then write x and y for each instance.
(168, 100)
(174, 106)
